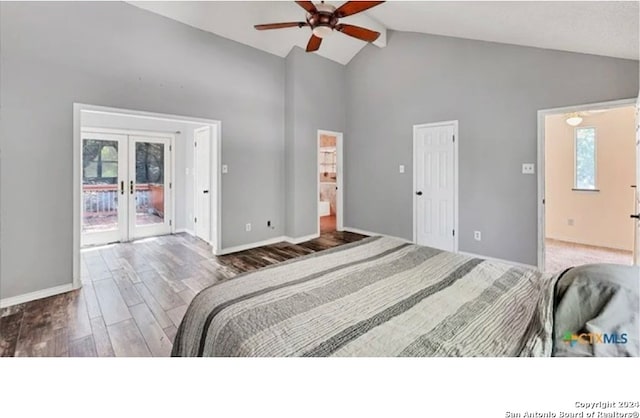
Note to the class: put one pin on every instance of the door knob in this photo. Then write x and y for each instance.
(131, 187)
(419, 193)
(205, 191)
(636, 216)
(122, 187)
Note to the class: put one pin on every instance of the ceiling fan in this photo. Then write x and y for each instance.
(323, 20)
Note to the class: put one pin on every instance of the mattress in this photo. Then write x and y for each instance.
(376, 297)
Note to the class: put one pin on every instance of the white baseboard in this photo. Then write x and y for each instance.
(301, 239)
(39, 294)
(515, 263)
(371, 234)
(245, 247)
(185, 231)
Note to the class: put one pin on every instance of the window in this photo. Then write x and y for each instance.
(585, 163)
(100, 161)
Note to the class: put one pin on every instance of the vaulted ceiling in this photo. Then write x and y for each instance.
(609, 28)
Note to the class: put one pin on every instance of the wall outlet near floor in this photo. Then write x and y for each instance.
(570, 222)
(477, 235)
(225, 168)
(401, 169)
(247, 227)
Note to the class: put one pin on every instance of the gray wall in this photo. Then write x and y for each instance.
(315, 90)
(495, 91)
(114, 54)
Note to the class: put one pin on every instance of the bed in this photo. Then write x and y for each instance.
(376, 297)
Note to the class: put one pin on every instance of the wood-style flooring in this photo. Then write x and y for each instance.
(134, 296)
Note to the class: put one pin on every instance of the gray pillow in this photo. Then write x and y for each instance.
(598, 303)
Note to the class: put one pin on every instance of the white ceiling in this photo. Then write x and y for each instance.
(609, 28)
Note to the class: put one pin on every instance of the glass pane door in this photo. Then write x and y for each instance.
(102, 187)
(149, 185)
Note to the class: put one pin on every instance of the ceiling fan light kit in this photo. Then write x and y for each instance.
(323, 19)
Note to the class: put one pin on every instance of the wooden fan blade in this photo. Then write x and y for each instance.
(353, 7)
(281, 25)
(358, 32)
(308, 6)
(314, 43)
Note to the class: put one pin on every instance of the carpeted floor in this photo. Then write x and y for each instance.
(560, 255)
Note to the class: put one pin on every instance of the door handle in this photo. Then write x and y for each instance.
(131, 187)
(636, 216)
(419, 193)
(122, 187)
(205, 191)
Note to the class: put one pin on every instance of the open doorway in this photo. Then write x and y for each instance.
(588, 185)
(135, 177)
(329, 182)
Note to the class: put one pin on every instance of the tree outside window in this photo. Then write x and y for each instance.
(585, 163)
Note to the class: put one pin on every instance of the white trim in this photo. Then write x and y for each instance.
(456, 175)
(245, 247)
(372, 234)
(542, 114)
(339, 178)
(39, 294)
(500, 260)
(301, 239)
(133, 132)
(185, 231)
(78, 108)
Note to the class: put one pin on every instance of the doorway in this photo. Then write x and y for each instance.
(126, 186)
(330, 193)
(435, 179)
(587, 185)
(152, 150)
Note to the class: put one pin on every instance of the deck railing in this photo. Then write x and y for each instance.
(102, 199)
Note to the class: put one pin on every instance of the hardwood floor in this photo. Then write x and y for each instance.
(134, 296)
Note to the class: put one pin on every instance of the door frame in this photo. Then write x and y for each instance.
(339, 178)
(78, 108)
(456, 175)
(213, 180)
(542, 114)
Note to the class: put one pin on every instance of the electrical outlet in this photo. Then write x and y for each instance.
(401, 169)
(225, 168)
(528, 168)
(570, 222)
(247, 227)
(477, 235)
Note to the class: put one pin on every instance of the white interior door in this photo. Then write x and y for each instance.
(636, 257)
(202, 181)
(435, 189)
(104, 176)
(150, 187)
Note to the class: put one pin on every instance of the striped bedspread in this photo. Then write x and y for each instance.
(376, 297)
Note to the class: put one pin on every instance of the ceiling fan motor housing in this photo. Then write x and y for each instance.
(324, 21)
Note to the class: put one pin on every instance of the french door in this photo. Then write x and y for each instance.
(126, 187)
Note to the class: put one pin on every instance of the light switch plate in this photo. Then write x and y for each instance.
(225, 169)
(401, 169)
(528, 168)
